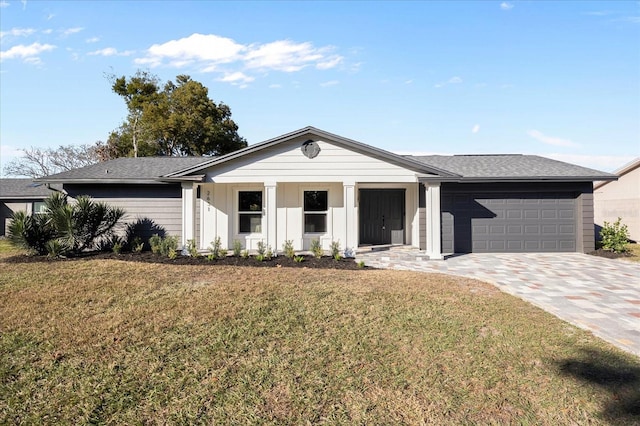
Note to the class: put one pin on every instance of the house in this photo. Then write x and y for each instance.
(620, 199)
(310, 184)
(20, 195)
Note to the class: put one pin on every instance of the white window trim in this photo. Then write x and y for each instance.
(329, 223)
(236, 211)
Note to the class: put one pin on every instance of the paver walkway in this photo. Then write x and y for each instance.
(594, 293)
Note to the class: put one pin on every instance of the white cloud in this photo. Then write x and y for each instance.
(70, 31)
(27, 53)
(506, 6)
(408, 82)
(24, 4)
(47, 31)
(4, 4)
(17, 32)
(551, 140)
(212, 53)
(475, 128)
(275, 86)
(110, 51)
(236, 77)
(452, 80)
(329, 83)
(208, 49)
(92, 40)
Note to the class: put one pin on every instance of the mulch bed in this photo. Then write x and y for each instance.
(324, 262)
(609, 254)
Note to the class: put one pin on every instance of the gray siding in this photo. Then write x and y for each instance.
(8, 207)
(161, 203)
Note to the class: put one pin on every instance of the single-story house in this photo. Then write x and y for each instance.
(310, 184)
(620, 199)
(20, 195)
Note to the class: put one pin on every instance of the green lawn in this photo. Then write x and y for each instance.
(107, 341)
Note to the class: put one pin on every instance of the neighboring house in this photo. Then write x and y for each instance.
(310, 184)
(620, 199)
(20, 195)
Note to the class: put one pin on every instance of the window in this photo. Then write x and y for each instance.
(39, 207)
(315, 211)
(250, 211)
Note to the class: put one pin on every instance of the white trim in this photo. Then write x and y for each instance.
(328, 213)
(433, 213)
(188, 212)
(351, 213)
(271, 210)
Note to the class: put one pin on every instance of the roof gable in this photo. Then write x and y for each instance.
(312, 134)
(24, 189)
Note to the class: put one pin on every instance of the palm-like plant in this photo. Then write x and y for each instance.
(74, 226)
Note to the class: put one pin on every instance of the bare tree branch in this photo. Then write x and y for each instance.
(38, 162)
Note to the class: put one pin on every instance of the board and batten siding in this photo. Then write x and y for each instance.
(161, 203)
(286, 163)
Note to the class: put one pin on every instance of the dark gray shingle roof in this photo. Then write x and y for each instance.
(127, 169)
(23, 189)
(514, 166)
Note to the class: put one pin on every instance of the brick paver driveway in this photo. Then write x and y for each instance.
(594, 293)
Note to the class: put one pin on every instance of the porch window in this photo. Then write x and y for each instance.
(250, 211)
(315, 211)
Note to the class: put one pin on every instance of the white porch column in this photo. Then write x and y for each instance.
(271, 213)
(351, 235)
(433, 230)
(188, 212)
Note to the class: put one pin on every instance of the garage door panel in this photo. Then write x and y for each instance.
(510, 222)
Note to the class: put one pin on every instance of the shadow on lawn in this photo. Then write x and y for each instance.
(613, 373)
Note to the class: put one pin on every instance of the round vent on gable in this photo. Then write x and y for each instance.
(310, 149)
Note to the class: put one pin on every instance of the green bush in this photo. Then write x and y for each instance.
(288, 250)
(614, 236)
(156, 244)
(214, 248)
(237, 248)
(316, 248)
(335, 250)
(262, 249)
(169, 246)
(76, 227)
(192, 249)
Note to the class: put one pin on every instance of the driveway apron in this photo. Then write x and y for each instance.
(597, 294)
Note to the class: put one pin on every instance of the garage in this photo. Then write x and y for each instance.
(527, 220)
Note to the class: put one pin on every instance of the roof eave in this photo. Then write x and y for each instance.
(472, 179)
(101, 181)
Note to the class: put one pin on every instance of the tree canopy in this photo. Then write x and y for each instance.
(175, 120)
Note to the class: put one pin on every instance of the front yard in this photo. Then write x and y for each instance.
(110, 341)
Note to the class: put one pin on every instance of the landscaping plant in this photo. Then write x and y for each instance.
(316, 248)
(76, 227)
(287, 249)
(615, 236)
(335, 250)
(237, 248)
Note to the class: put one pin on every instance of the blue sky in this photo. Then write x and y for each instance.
(560, 79)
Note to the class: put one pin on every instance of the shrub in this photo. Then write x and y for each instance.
(137, 245)
(169, 246)
(287, 248)
(117, 247)
(316, 248)
(214, 247)
(262, 248)
(335, 250)
(361, 264)
(54, 248)
(269, 253)
(223, 253)
(76, 227)
(30, 232)
(615, 236)
(237, 248)
(141, 231)
(192, 249)
(156, 244)
(298, 259)
(245, 254)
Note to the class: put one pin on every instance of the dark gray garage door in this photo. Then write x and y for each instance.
(508, 222)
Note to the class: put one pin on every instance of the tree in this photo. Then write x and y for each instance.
(139, 92)
(38, 162)
(178, 120)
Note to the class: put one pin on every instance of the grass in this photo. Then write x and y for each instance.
(634, 249)
(107, 341)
